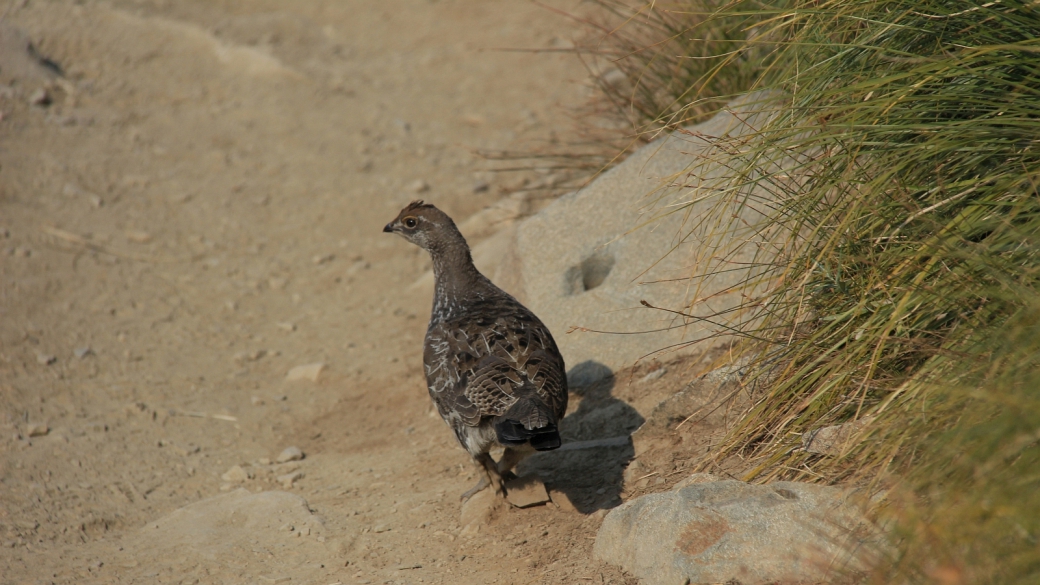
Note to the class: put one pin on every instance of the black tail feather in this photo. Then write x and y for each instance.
(546, 441)
(512, 428)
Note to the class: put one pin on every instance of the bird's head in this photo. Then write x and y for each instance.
(425, 226)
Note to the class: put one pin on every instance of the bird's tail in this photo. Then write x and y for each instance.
(529, 420)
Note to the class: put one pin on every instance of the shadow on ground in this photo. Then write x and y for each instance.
(597, 445)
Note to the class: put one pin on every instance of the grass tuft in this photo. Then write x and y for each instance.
(901, 165)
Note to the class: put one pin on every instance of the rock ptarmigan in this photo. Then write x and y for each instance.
(492, 368)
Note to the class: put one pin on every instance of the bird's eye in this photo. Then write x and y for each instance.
(410, 223)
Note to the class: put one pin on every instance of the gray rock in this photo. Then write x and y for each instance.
(585, 263)
(290, 454)
(730, 531)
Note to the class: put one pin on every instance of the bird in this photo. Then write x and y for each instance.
(493, 369)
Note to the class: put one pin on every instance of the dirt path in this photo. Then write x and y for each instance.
(198, 211)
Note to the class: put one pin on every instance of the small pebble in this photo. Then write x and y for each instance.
(37, 430)
(82, 352)
(614, 77)
(418, 186)
(236, 474)
(256, 354)
(289, 479)
(290, 454)
(481, 186)
(45, 359)
(358, 266)
(473, 119)
(305, 372)
(41, 97)
(190, 450)
(256, 401)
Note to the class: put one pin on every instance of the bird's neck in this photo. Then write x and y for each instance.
(456, 279)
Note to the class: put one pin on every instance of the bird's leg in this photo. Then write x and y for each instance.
(510, 458)
(490, 476)
(483, 483)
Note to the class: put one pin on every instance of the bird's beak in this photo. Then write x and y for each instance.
(389, 228)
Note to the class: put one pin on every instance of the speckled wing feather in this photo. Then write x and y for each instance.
(481, 362)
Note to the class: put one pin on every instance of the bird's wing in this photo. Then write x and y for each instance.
(476, 367)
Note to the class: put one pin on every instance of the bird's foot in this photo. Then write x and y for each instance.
(483, 483)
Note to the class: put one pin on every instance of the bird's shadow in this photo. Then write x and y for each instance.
(597, 444)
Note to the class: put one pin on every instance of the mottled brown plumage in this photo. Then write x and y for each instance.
(492, 368)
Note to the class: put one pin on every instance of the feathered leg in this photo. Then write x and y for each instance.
(490, 476)
(510, 458)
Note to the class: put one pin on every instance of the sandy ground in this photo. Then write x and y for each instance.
(196, 212)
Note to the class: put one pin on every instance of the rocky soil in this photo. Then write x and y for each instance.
(191, 198)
